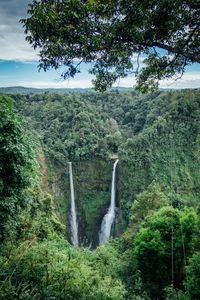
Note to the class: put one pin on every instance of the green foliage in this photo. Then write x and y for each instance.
(153, 248)
(53, 270)
(147, 203)
(18, 167)
(39, 219)
(69, 126)
(109, 33)
(163, 147)
(192, 282)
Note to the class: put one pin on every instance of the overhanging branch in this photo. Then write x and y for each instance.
(190, 56)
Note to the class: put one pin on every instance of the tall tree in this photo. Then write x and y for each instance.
(110, 32)
(17, 166)
(162, 248)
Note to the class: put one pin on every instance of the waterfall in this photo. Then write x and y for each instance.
(73, 218)
(109, 217)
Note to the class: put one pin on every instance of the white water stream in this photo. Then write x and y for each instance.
(73, 217)
(109, 217)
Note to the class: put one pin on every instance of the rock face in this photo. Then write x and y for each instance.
(92, 183)
(92, 189)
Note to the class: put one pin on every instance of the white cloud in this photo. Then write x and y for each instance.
(56, 84)
(12, 38)
(14, 47)
(126, 82)
(188, 80)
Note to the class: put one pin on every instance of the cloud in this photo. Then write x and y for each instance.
(56, 84)
(12, 38)
(126, 82)
(188, 80)
(14, 9)
(16, 49)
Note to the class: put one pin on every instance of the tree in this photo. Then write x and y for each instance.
(110, 32)
(147, 202)
(17, 166)
(153, 248)
(192, 283)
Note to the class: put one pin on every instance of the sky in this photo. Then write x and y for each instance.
(18, 60)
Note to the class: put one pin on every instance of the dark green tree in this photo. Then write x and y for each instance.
(153, 249)
(110, 32)
(192, 283)
(146, 203)
(17, 166)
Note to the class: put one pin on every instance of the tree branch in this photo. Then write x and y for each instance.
(192, 57)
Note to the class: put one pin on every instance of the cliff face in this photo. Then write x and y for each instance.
(92, 181)
(92, 188)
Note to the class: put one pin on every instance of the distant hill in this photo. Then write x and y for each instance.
(24, 90)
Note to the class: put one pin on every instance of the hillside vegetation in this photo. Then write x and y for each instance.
(156, 138)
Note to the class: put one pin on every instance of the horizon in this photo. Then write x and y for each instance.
(87, 88)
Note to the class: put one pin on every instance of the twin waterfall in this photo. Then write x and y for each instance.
(108, 219)
(73, 217)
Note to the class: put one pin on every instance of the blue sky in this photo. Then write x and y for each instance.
(18, 61)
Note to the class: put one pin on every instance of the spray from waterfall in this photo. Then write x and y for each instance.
(73, 216)
(109, 217)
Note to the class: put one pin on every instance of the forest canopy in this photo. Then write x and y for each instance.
(114, 35)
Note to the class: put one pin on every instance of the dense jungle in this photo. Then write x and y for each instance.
(154, 249)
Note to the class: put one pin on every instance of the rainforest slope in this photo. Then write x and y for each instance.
(156, 137)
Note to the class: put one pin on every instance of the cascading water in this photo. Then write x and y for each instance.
(109, 217)
(73, 217)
